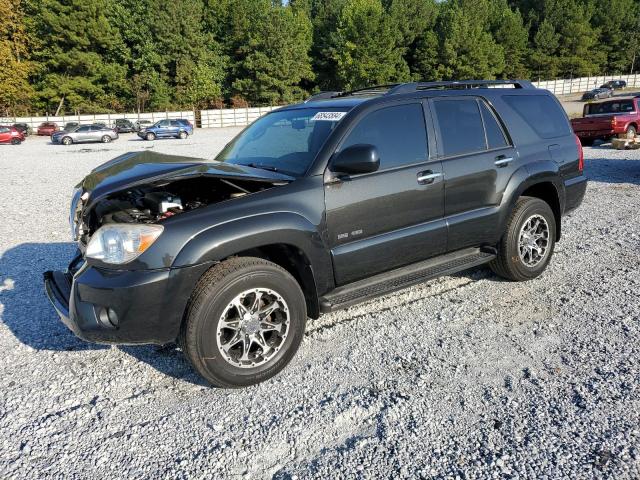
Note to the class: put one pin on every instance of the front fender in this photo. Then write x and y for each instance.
(279, 228)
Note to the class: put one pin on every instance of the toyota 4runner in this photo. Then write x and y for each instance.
(312, 208)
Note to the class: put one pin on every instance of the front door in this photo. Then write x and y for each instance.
(478, 161)
(393, 217)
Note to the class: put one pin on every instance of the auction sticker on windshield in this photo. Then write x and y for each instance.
(328, 116)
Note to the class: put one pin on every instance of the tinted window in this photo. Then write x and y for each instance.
(174, 123)
(618, 106)
(164, 123)
(82, 129)
(495, 135)
(3, 130)
(542, 113)
(398, 133)
(460, 126)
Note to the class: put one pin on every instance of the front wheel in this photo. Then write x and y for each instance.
(67, 141)
(150, 136)
(527, 245)
(245, 322)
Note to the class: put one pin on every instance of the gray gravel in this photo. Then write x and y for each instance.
(466, 377)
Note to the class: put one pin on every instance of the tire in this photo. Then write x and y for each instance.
(150, 136)
(510, 263)
(183, 135)
(106, 139)
(630, 133)
(15, 141)
(67, 141)
(203, 336)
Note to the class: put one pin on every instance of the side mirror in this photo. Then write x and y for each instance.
(356, 159)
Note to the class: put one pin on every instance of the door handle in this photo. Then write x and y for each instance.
(428, 177)
(503, 161)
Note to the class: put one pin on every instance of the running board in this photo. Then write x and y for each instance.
(404, 277)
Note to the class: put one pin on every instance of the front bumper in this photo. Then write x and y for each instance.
(122, 307)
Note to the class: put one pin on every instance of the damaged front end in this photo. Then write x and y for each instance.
(101, 201)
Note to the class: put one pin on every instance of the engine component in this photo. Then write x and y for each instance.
(161, 202)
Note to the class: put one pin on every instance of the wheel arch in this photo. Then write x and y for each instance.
(548, 193)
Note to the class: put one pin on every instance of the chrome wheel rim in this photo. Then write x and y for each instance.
(533, 241)
(253, 328)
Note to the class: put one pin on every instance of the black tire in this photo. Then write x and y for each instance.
(183, 135)
(509, 263)
(210, 300)
(15, 141)
(106, 139)
(150, 136)
(67, 141)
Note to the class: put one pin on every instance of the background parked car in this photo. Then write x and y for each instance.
(597, 94)
(25, 128)
(70, 126)
(85, 134)
(615, 84)
(48, 128)
(140, 124)
(174, 128)
(12, 135)
(122, 125)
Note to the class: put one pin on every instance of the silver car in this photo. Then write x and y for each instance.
(85, 134)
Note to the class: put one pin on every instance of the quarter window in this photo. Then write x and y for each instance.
(460, 125)
(398, 132)
(495, 135)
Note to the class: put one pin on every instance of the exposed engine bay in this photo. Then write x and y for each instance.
(155, 202)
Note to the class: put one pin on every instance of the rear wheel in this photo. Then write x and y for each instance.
(106, 139)
(244, 323)
(182, 135)
(150, 136)
(630, 133)
(67, 141)
(527, 245)
(15, 141)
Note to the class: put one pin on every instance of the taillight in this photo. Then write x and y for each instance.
(580, 153)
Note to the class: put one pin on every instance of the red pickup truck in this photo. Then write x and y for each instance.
(602, 120)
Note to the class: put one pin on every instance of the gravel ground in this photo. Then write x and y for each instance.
(466, 377)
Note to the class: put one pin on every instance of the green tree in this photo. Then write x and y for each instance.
(508, 30)
(543, 60)
(15, 66)
(365, 46)
(81, 64)
(467, 48)
(619, 24)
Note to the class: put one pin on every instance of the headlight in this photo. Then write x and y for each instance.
(120, 243)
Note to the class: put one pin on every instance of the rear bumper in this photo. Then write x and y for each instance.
(596, 133)
(122, 307)
(575, 190)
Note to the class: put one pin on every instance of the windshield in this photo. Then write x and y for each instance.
(608, 108)
(285, 141)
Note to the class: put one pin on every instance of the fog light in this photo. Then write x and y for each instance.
(108, 317)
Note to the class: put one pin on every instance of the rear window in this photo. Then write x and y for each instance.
(542, 113)
(610, 108)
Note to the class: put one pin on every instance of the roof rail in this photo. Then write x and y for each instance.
(323, 96)
(461, 84)
(384, 88)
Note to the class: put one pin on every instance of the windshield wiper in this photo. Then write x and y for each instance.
(262, 167)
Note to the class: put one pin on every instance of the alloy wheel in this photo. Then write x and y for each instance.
(253, 328)
(533, 241)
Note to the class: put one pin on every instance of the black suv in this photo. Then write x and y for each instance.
(123, 125)
(312, 208)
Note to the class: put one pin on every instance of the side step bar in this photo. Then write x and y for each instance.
(404, 277)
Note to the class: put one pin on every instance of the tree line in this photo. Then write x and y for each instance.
(79, 56)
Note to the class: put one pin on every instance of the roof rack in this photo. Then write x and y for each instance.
(461, 84)
(323, 96)
(399, 88)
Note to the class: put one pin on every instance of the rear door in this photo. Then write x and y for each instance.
(393, 217)
(478, 160)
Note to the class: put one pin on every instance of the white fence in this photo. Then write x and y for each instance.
(106, 118)
(234, 117)
(578, 85)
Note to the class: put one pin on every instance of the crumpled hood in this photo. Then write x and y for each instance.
(136, 168)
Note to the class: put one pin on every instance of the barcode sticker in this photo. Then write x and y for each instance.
(328, 116)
